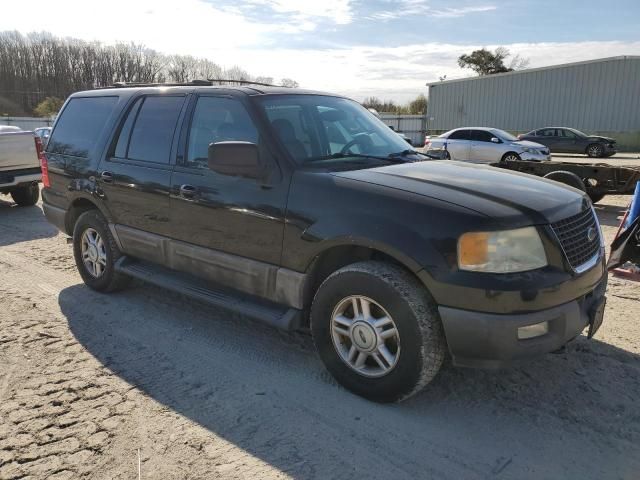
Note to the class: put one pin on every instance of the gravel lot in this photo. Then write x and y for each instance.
(94, 386)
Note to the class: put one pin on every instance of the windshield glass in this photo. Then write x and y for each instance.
(506, 136)
(314, 128)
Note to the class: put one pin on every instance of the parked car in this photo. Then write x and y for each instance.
(570, 140)
(19, 166)
(43, 133)
(402, 135)
(485, 145)
(302, 210)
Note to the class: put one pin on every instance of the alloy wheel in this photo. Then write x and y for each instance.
(365, 336)
(94, 253)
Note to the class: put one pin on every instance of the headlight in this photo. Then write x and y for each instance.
(508, 251)
(534, 151)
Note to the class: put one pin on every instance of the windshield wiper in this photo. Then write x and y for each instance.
(390, 158)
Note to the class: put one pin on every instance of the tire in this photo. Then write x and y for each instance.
(596, 197)
(26, 195)
(595, 150)
(568, 178)
(511, 157)
(107, 280)
(417, 348)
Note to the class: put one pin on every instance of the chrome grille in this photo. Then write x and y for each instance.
(573, 233)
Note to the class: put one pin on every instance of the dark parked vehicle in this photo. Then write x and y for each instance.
(570, 140)
(303, 210)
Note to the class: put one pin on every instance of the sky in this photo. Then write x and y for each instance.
(359, 48)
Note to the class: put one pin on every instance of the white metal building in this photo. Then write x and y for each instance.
(597, 96)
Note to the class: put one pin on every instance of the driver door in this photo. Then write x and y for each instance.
(226, 213)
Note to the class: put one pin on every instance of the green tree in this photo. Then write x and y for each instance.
(48, 107)
(418, 106)
(486, 62)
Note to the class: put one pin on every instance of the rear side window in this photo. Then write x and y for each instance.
(460, 135)
(546, 132)
(153, 130)
(80, 125)
(147, 133)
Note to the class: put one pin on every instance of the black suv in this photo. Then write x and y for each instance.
(303, 210)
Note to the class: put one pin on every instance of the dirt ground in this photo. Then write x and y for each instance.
(145, 382)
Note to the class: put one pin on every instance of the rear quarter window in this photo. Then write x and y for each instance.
(80, 125)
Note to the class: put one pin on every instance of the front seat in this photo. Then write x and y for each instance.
(287, 135)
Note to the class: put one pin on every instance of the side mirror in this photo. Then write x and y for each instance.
(495, 140)
(238, 159)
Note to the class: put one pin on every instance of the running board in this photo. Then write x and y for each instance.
(272, 314)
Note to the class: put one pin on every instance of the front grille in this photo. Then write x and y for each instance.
(573, 233)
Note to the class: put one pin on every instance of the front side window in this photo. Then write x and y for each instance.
(566, 133)
(481, 136)
(217, 119)
(314, 128)
(80, 125)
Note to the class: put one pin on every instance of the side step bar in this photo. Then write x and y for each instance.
(262, 310)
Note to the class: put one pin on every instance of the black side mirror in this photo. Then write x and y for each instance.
(238, 159)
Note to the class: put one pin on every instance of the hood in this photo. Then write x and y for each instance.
(603, 139)
(511, 198)
(529, 144)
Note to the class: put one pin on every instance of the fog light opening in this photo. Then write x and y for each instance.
(532, 331)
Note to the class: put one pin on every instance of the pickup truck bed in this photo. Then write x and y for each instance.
(19, 167)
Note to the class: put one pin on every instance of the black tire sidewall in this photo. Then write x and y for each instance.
(26, 195)
(405, 375)
(94, 219)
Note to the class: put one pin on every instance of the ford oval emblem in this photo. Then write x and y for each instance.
(591, 234)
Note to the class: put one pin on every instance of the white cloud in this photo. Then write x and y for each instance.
(404, 8)
(229, 38)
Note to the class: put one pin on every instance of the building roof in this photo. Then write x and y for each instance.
(539, 69)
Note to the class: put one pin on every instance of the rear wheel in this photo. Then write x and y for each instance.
(595, 150)
(378, 331)
(26, 195)
(96, 253)
(568, 178)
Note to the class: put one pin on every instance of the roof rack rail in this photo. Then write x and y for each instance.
(206, 83)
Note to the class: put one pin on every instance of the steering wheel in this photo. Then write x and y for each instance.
(348, 146)
(361, 139)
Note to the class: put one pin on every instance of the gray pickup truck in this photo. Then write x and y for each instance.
(19, 166)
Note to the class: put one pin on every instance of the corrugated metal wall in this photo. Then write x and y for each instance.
(598, 96)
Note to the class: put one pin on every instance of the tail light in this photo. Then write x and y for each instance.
(43, 163)
(427, 141)
(520, 137)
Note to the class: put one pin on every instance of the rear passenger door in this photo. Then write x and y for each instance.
(135, 177)
(458, 145)
(548, 138)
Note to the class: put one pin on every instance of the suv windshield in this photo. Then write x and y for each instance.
(316, 128)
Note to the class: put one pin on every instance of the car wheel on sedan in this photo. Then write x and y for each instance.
(595, 150)
(96, 252)
(511, 157)
(378, 331)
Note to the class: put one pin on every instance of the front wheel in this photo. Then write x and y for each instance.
(511, 157)
(595, 150)
(377, 331)
(26, 195)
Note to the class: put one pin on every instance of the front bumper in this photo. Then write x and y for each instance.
(535, 157)
(489, 340)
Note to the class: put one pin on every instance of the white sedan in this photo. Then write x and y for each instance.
(485, 145)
